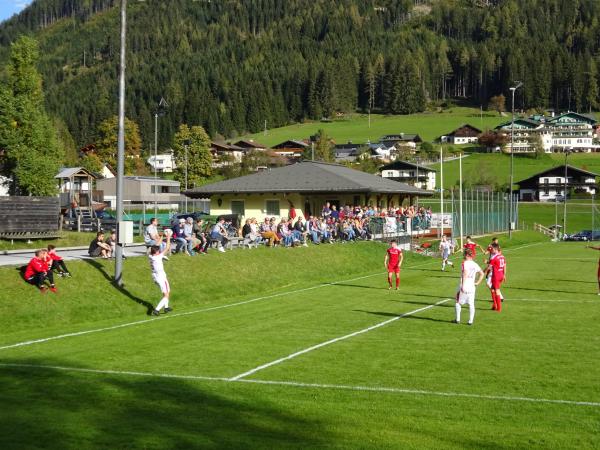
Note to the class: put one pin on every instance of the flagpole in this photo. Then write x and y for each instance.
(460, 199)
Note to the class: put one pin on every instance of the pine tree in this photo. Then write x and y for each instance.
(323, 147)
(33, 155)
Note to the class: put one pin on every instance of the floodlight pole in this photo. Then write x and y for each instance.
(460, 199)
(186, 143)
(121, 150)
(155, 163)
(442, 190)
(512, 152)
(564, 230)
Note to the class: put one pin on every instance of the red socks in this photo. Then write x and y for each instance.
(497, 301)
(397, 282)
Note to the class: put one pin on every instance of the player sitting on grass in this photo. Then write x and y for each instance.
(393, 262)
(468, 286)
(58, 263)
(497, 269)
(38, 271)
(159, 275)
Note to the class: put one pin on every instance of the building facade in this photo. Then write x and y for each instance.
(549, 185)
(413, 174)
(465, 134)
(163, 163)
(140, 190)
(304, 186)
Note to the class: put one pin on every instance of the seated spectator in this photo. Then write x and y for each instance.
(179, 236)
(151, 235)
(198, 229)
(38, 271)
(284, 233)
(250, 231)
(98, 247)
(219, 234)
(190, 237)
(58, 263)
(267, 234)
(314, 230)
(112, 242)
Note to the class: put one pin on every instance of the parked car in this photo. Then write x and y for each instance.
(585, 235)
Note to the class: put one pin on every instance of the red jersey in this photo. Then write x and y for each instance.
(36, 265)
(498, 264)
(472, 246)
(53, 256)
(394, 256)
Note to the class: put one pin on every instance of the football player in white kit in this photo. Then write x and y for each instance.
(446, 249)
(468, 284)
(159, 275)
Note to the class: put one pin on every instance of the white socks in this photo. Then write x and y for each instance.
(164, 303)
(471, 312)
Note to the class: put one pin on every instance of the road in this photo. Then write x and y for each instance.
(75, 253)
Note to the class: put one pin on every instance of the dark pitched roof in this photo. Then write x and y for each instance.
(527, 122)
(405, 164)
(559, 170)
(290, 143)
(348, 146)
(402, 137)
(307, 177)
(223, 146)
(249, 144)
(583, 117)
(465, 130)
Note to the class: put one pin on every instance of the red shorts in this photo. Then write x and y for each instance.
(497, 282)
(393, 269)
(599, 270)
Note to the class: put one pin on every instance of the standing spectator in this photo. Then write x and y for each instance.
(179, 236)
(98, 247)
(38, 272)
(326, 212)
(58, 263)
(335, 214)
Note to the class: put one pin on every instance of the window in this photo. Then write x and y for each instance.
(164, 189)
(237, 207)
(272, 207)
(546, 191)
(546, 180)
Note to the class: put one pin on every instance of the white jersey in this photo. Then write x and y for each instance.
(469, 270)
(156, 264)
(446, 247)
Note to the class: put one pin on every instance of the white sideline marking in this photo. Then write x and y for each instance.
(380, 389)
(170, 316)
(541, 300)
(333, 341)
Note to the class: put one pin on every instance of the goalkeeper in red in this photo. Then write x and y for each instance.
(393, 262)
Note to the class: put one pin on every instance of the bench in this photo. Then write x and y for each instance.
(20, 235)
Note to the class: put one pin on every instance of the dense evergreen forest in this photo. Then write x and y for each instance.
(233, 65)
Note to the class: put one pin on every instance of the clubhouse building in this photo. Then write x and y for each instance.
(305, 186)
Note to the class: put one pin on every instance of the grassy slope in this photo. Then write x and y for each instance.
(523, 166)
(534, 349)
(356, 129)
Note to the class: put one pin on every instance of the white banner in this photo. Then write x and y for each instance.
(436, 219)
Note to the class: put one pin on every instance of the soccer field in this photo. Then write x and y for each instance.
(337, 363)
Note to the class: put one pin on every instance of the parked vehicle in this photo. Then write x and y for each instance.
(585, 235)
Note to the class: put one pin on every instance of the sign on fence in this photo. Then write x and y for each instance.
(437, 218)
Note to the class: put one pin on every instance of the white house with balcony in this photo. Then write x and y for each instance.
(163, 163)
(412, 174)
(549, 185)
(569, 131)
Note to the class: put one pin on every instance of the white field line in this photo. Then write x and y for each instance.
(377, 389)
(171, 316)
(333, 341)
(541, 300)
(197, 311)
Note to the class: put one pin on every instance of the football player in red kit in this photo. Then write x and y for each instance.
(497, 266)
(393, 261)
(488, 250)
(472, 245)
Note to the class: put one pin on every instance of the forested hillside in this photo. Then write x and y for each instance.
(232, 65)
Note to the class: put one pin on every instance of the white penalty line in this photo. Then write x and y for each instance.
(358, 388)
(333, 341)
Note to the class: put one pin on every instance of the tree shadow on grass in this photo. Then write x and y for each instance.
(96, 265)
(572, 281)
(388, 314)
(57, 409)
(511, 287)
(359, 286)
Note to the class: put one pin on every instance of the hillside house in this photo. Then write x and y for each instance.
(409, 173)
(465, 134)
(549, 184)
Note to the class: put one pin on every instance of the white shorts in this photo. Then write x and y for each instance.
(162, 282)
(445, 255)
(466, 297)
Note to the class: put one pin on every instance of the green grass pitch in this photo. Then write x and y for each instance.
(347, 363)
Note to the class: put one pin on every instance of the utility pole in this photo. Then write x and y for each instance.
(460, 199)
(564, 230)
(512, 152)
(121, 149)
(186, 144)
